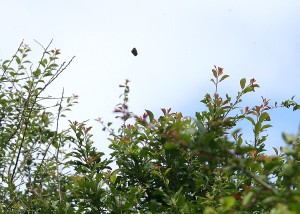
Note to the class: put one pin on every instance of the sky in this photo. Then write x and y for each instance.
(178, 43)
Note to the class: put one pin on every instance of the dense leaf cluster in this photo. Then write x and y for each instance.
(159, 164)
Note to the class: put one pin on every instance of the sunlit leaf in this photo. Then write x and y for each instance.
(227, 202)
(151, 116)
(247, 198)
(214, 73)
(224, 77)
(242, 83)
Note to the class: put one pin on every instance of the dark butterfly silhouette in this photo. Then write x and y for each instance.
(134, 52)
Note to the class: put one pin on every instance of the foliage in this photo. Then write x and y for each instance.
(30, 140)
(165, 164)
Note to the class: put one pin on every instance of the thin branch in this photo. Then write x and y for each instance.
(59, 144)
(261, 182)
(4, 71)
(45, 49)
(59, 71)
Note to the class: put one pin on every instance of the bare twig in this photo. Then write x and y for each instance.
(4, 71)
(59, 71)
(59, 144)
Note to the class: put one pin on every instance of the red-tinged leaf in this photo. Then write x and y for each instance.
(242, 83)
(252, 153)
(145, 115)
(88, 129)
(223, 77)
(257, 109)
(220, 71)
(247, 109)
(252, 81)
(265, 101)
(117, 110)
(214, 73)
(237, 196)
(164, 111)
(225, 102)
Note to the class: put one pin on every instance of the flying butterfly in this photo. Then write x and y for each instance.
(134, 52)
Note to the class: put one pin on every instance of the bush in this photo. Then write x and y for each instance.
(165, 164)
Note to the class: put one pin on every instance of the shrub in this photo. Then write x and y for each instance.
(159, 164)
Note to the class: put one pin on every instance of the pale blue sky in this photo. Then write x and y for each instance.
(178, 43)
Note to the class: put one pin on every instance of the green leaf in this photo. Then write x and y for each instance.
(264, 117)
(178, 193)
(5, 62)
(223, 77)
(257, 128)
(150, 114)
(214, 73)
(242, 83)
(55, 144)
(248, 89)
(47, 74)
(247, 199)
(36, 73)
(113, 176)
(167, 171)
(45, 61)
(18, 60)
(276, 150)
(273, 199)
(209, 210)
(296, 107)
(227, 203)
(170, 146)
(54, 203)
(251, 120)
(265, 127)
(158, 174)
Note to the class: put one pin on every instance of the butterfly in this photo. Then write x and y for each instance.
(134, 52)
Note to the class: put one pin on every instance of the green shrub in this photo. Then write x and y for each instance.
(159, 164)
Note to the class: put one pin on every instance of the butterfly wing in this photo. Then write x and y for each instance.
(134, 52)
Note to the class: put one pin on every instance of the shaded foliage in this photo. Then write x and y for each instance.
(159, 164)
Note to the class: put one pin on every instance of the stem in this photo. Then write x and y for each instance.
(59, 144)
